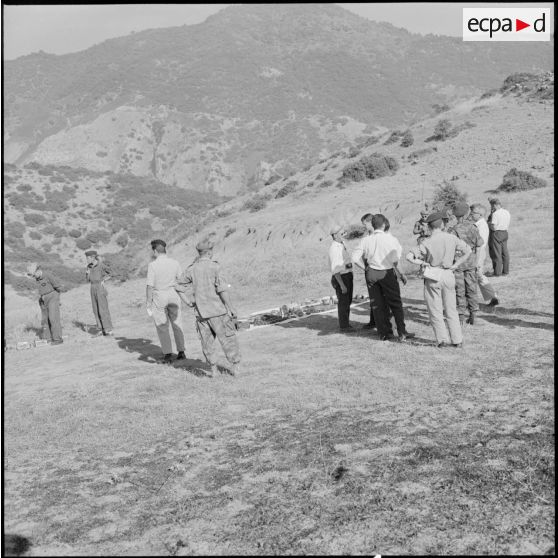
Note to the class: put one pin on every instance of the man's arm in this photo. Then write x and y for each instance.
(465, 250)
(55, 283)
(341, 283)
(225, 298)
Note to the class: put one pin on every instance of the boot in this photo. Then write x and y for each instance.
(471, 319)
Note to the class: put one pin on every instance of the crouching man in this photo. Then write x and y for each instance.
(206, 291)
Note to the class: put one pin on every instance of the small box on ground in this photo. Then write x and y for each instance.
(22, 345)
(41, 343)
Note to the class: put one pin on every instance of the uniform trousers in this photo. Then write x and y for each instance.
(50, 316)
(99, 302)
(466, 291)
(385, 295)
(498, 249)
(167, 312)
(441, 304)
(222, 328)
(343, 300)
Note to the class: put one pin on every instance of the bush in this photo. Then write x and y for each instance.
(74, 233)
(24, 188)
(257, 203)
(371, 167)
(446, 196)
(394, 137)
(489, 94)
(122, 240)
(46, 247)
(34, 219)
(229, 231)
(15, 229)
(355, 231)
(319, 177)
(325, 184)
(442, 130)
(516, 79)
(55, 230)
(310, 184)
(366, 141)
(516, 180)
(35, 235)
(83, 243)
(272, 179)
(407, 140)
(440, 108)
(95, 237)
(287, 189)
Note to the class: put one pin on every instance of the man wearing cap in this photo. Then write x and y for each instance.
(498, 238)
(341, 266)
(206, 290)
(97, 272)
(162, 300)
(477, 217)
(49, 302)
(381, 252)
(466, 273)
(437, 257)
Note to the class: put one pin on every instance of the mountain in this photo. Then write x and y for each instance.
(255, 91)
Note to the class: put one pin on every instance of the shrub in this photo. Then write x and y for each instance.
(74, 233)
(356, 230)
(366, 141)
(371, 167)
(46, 247)
(35, 235)
(24, 188)
(394, 137)
(489, 94)
(272, 179)
(442, 130)
(83, 243)
(34, 219)
(310, 184)
(320, 176)
(15, 229)
(516, 180)
(440, 108)
(516, 79)
(446, 196)
(122, 240)
(55, 230)
(287, 189)
(229, 231)
(257, 203)
(325, 184)
(407, 140)
(95, 237)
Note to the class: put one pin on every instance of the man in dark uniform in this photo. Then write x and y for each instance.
(466, 281)
(49, 302)
(97, 273)
(203, 287)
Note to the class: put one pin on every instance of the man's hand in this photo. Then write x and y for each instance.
(232, 313)
(403, 278)
(344, 289)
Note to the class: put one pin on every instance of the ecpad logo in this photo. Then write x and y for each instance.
(506, 24)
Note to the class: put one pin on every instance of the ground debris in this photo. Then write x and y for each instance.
(339, 471)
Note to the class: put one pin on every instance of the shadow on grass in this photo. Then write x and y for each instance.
(524, 311)
(84, 327)
(498, 317)
(14, 545)
(38, 331)
(151, 353)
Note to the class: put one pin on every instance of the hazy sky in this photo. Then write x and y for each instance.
(62, 29)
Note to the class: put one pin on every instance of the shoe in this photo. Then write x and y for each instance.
(441, 345)
(369, 326)
(494, 302)
(409, 335)
(108, 334)
(98, 334)
(471, 318)
(57, 342)
(167, 359)
(457, 345)
(181, 355)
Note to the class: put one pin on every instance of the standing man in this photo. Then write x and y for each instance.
(162, 300)
(381, 252)
(97, 273)
(466, 273)
(498, 239)
(437, 257)
(477, 216)
(49, 302)
(421, 227)
(215, 315)
(341, 277)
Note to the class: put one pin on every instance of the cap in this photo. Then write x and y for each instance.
(424, 212)
(436, 216)
(32, 268)
(204, 245)
(493, 200)
(158, 242)
(460, 209)
(335, 229)
(91, 253)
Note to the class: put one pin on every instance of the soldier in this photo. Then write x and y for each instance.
(466, 273)
(421, 226)
(162, 300)
(49, 302)
(97, 272)
(206, 291)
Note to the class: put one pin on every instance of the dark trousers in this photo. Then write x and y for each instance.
(343, 300)
(99, 302)
(498, 250)
(50, 316)
(372, 322)
(466, 291)
(385, 295)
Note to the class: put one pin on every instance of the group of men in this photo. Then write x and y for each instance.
(451, 251)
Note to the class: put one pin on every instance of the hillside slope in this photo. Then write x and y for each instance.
(255, 89)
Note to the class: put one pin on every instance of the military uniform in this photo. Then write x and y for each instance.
(466, 280)
(422, 229)
(203, 282)
(95, 274)
(49, 302)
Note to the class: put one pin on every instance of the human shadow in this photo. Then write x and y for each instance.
(524, 311)
(84, 327)
(496, 317)
(151, 353)
(36, 330)
(15, 545)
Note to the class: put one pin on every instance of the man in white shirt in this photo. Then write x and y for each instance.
(381, 252)
(477, 216)
(341, 277)
(163, 302)
(499, 223)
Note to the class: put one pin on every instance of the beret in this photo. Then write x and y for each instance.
(91, 253)
(158, 242)
(436, 216)
(460, 209)
(204, 245)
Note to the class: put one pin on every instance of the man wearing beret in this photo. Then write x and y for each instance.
(49, 302)
(97, 273)
(466, 281)
(341, 266)
(162, 300)
(437, 256)
(206, 291)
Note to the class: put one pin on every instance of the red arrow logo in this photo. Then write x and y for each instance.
(519, 25)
